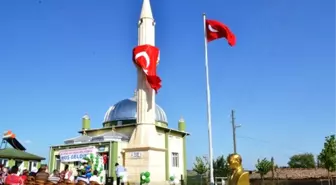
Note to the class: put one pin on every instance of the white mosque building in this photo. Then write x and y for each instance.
(123, 138)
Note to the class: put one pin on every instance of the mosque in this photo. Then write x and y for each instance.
(134, 132)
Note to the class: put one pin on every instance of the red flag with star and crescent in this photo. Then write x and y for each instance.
(216, 30)
(146, 57)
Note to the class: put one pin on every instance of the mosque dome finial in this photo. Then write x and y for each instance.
(135, 93)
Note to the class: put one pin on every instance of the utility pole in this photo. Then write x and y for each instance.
(234, 127)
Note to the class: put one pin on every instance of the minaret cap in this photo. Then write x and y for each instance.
(146, 10)
(181, 120)
(86, 116)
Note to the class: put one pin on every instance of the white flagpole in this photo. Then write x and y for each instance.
(208, 102)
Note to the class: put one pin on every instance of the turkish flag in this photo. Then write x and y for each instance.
(105, 158)
(216, 30)
(147, 57)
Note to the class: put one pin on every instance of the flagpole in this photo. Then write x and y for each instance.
(208, 102)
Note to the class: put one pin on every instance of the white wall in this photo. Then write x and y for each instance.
(157, 166)
(121, 146)
(160, 139)
(160, 143)
(176, 145)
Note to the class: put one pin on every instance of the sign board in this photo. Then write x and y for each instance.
(106, 138)
(136, 155)
(101, 149)
(76, 154)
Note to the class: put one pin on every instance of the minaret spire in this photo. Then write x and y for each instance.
(146, 26)
(146, 11)
(144, 137)
(145, 94)
(145, 98)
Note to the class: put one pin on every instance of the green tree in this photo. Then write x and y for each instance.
(263, 167)
(221, 167)
(306, 160)
(318, 163)
(201, 166)
(327, 157)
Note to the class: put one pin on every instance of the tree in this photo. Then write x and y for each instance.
(306, 160)
(221, 167)
(327, 157)
(273, 168)
(318, 162)
(263, 167)
(201, 166)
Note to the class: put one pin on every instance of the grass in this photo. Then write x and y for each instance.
(194, 179)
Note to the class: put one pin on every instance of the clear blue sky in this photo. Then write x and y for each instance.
(61, 59)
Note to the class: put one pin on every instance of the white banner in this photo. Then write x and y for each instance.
(76, 154)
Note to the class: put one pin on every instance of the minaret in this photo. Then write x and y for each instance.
(145, 151)
(145, 94)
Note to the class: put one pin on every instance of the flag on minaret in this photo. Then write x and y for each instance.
(146, 57)
(216, 30)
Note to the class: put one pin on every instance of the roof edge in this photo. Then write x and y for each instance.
(31, 157)
(133, 125)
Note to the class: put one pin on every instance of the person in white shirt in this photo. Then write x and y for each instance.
(119, 172)
(33, 171)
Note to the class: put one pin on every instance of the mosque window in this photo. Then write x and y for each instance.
(175, 159)
(18, 163)
(32, 164)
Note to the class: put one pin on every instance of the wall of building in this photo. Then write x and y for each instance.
(121, 152)
(160, 143)
(157, 165)
(22, 164)
(124, 130)
(160, 139)
(53, 162)
(175, 144)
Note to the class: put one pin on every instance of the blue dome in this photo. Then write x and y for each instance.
(126, 110)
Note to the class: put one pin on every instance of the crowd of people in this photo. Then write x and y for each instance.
(41, 176)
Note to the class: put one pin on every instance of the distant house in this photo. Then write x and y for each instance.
(295, 174)
(292, 176)
(16, 156)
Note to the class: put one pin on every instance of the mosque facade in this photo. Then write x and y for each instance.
(134, 133)
(111, 140)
